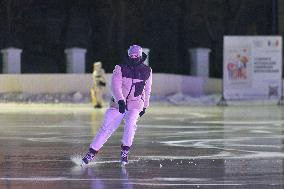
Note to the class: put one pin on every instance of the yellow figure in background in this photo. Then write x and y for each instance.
(99, 83)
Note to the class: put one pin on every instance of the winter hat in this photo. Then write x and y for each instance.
(135, 50)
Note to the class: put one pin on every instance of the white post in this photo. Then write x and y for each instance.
(11, 60)
(200, 61)
(75, 60)
(146, 51)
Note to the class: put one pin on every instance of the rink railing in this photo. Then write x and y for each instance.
(163, 84)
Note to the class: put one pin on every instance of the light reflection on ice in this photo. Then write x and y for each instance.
(180, 179)
(77, 160)
(182, 140)
(238, 122)
(136, 181)
(256, 155)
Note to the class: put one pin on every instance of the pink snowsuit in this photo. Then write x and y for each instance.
(133, 85)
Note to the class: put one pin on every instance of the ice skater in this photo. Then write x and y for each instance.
(99, 83)
(131, 87)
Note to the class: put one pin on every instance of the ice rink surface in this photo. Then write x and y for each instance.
(175, 147)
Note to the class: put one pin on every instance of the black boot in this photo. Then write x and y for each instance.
(89, 156)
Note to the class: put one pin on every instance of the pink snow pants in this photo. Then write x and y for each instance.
(111, 122)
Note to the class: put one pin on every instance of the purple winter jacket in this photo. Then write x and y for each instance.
(131, 84)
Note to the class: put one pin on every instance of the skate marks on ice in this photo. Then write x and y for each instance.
(99, 167)
(103, 174)
(228, 139)
(207, 148)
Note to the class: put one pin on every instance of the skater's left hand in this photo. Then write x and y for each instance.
(142, 112)
(122, 106)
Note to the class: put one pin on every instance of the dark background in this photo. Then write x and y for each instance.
(106, 28)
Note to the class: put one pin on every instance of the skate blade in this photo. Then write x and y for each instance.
(83, 164)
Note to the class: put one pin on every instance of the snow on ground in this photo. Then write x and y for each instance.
(77, 97)
(178, 99)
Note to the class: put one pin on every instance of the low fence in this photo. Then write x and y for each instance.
(163, 84)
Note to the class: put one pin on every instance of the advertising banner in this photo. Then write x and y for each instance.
(252, 67)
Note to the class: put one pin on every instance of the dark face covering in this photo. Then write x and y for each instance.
(135, 61)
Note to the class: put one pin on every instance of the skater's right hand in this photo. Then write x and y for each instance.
(122, 107)
(142, 112)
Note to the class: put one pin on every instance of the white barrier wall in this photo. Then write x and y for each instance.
(163, 84)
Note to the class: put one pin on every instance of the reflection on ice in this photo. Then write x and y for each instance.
(187, 146)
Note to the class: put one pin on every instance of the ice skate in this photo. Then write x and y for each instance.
(89, 157)
(124, 155)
